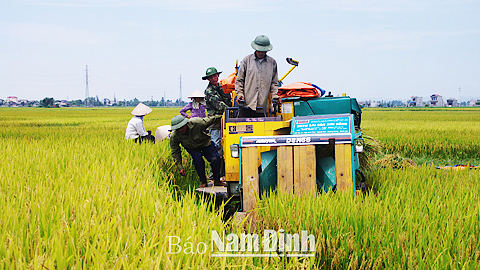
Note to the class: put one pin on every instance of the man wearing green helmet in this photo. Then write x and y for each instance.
(190, 133)
(257, 78)
(217, 101)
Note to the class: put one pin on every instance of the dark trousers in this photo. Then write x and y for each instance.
(211, 154)
(148, 138)
(246, 112)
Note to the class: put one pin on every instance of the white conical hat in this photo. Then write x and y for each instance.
(141, 109)
(197, 93)
(162, 133)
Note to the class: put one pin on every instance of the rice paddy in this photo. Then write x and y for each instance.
(74, 195)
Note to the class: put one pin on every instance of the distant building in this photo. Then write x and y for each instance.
(108, 102)
(436, 101)
(473, 102)
(64, 103)
(12, 99)
(374, 104)
(415, 102)
(451, 102)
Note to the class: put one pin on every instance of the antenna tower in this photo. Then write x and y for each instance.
(459, 96)
(180, 97)
(86, 86)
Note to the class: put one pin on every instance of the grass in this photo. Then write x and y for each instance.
(419, 218)
(443, 136)
(74, 194)
(77, 196)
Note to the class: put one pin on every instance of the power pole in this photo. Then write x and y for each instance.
(180, 97)
(459, 96)
(86, 86)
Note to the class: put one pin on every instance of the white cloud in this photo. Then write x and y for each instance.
(388, 40)
(54, 34)
(204, 6)
(382, 5)
(263, 5)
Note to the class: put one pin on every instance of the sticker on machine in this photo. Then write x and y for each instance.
(287, 107)
(240, 129)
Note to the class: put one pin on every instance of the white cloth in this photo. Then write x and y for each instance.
(162, 132)
(195, 104)
(135, 128)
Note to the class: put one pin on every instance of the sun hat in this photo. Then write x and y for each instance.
(197, 93)
(210, 71)
(141, 110)
(262, 44)
(178, 121)
(162, 132)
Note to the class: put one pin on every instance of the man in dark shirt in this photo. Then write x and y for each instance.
(217, 101)
(191, 135)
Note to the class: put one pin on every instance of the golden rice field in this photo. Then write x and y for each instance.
(444, 136)
(75, 195)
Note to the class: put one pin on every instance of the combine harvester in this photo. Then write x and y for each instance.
(308, 143)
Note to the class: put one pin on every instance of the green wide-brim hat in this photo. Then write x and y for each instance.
(178, 121)
(210, 71)
(262, 44)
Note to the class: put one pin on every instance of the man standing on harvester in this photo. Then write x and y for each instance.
(257, 78)
(217, 101)
(190, 133)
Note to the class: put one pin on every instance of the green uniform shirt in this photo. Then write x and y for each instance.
(217, 101)
(194, 138)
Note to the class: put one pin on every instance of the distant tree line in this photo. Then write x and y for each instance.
(47, 103)
(96, 102)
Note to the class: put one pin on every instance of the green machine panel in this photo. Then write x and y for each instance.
(326, 105)
(268, 175)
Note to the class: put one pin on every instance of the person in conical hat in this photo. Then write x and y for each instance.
(197, 107)
(135, 128)
(141, 110)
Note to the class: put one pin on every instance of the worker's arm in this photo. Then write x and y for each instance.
(185, 109)
(214, 100)
(274, 83)
(176, 152)
(210, 120)
(240, 81)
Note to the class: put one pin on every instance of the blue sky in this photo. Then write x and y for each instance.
(367, 49)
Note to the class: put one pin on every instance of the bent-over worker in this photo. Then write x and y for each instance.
(190, 133)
